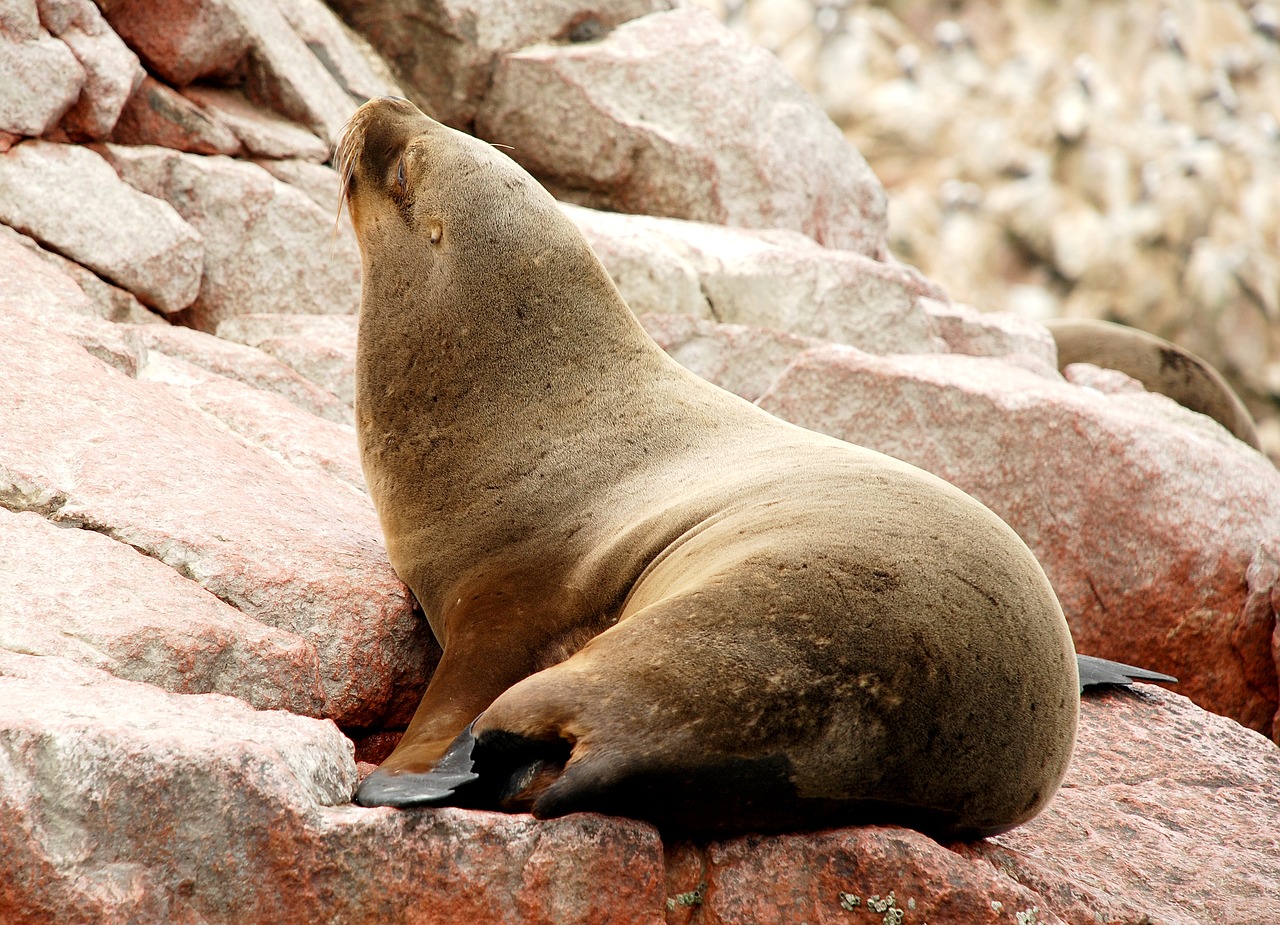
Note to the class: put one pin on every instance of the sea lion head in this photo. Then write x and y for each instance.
(420, 193)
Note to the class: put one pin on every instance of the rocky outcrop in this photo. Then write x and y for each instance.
(197, 618)
(1114, 162)
(125, 803)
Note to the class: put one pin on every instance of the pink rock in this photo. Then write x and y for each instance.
(123, 803)
(359, 70)
(292, 549)
(31, 285)
(966, 330)
(70, 200)
(1166, 816)
(105, 300)
(181, 40)
(848, 875)
(1166, 808)
(446, 50)
(318, 181)
(158, 115)
(112, 71)
(320, 347)
(251, 366)
(268, 246)
(673, 114)
(1146, 516)
(126, 803)
(80, 595)
(742, 359)
(777, 279)
(262, 133)
(254, 45)
(40, 78)
(285, 75)
(264, 419)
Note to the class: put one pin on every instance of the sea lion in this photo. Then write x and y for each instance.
(659, 600)
(1159, 365)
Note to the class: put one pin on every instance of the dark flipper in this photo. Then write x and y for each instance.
(437, 786)
(1098, 672)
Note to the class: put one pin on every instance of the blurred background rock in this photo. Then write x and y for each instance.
(1116, 159)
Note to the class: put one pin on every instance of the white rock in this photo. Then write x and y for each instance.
(672, 114)
(71, 201)
(268, 246)
(40, 78)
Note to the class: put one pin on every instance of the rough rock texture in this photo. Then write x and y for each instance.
(105, 300)
(268, 421)
(1115, 160)
(1170, 810)
(445, 50)
(773, 278)
(256, 43)
(256, 230)
(672, 114)
(252, 367)
(111, 70)
(320, 347)
(262, 133)
(81, 595)
(70, 200)
(114, 792)
(293, 549)
(40, 77)
(1145, 516)
(159, 115)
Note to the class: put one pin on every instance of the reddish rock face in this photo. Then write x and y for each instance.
(186, 551)
(289, 547)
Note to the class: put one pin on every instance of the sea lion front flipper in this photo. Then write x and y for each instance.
(1099, 672)
(437, 786)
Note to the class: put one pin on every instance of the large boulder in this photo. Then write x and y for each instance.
(70, 200)
(260, 235)
(445, 50)
(123, 803)
(672, 114)
(40, 77)
(286, 544)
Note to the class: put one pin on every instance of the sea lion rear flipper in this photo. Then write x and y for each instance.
(437, 786)
(1099, 672)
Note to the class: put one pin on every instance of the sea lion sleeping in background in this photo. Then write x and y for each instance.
(1159, 365)
(659, 600)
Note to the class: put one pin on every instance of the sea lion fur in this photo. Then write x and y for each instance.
(658, 599)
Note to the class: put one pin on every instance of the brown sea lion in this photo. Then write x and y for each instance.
(660, 600)
(1159, 365)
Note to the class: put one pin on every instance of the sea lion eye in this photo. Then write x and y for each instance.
(400, 177)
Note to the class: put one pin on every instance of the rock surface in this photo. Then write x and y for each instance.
(40, 78)
(254, 229)
(1112, 161)
(673, 115)
(80, 846)
(186, 545)
(291, 548)
(446, 50)
(70, 200)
